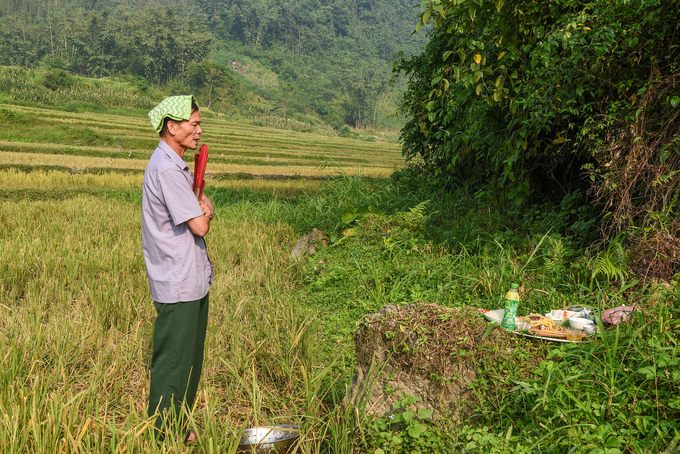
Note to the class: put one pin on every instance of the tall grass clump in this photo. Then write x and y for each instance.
(324, 208)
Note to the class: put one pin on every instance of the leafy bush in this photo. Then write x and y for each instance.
(139, 82)
(345, 132)
(324, 210)
(527, 96)
(56, 79)
(213, 83)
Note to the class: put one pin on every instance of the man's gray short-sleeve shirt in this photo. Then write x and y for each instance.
(177, 261)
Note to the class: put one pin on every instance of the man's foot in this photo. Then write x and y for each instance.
(192, 437)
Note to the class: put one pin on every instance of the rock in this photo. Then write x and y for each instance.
(306, 245)
(377, 389)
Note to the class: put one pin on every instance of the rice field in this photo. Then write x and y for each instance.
(76, 317)
(76, 321)
(37, 136)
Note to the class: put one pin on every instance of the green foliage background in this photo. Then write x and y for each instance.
(331, 60)
(531, 96)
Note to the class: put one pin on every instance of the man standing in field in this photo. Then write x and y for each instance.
(180, 272)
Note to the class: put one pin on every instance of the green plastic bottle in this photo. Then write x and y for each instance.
(511, 303)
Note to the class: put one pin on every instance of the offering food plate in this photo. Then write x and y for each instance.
(554, 339)
(496, 316)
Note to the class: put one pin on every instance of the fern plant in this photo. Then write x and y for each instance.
(554, 262)
(610, 263)
(419, 211)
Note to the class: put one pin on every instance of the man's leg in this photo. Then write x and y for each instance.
(179, 336)
(201, 327)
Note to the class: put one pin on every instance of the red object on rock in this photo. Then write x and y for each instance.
(200, 160)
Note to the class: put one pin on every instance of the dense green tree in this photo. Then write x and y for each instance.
(529, 95)
(364, 87)
(155, 44)
(212, 82)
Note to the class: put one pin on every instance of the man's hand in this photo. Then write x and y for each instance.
(201, 225)
(207, 206)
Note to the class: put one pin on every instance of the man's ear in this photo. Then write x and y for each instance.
(171, 127)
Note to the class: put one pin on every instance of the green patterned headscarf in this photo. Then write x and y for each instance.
(175, 107)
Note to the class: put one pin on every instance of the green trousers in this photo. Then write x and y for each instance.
(178, 340)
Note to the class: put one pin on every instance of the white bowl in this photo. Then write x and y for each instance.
(589, 329)
(495, 316)
(579, 323)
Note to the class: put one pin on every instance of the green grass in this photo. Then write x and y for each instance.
(617, 394)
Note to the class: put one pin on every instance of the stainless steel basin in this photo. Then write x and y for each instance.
(277, 439)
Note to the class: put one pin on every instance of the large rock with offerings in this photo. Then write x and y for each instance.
(419, 350)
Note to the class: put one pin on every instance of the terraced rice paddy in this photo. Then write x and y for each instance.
(81, 142)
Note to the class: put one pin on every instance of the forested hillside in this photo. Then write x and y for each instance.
(329, 59)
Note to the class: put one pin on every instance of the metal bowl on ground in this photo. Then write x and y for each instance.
(277, 439)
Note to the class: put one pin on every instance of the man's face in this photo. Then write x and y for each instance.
(188, 133)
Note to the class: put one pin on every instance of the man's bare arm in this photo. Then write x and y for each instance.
(201, 225)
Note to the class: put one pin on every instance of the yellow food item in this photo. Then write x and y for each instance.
(544, 326)
(538, 321)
